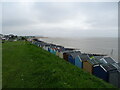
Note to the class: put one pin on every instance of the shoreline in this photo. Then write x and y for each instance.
(83, 49)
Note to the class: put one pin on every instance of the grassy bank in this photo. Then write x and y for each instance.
(28, 66)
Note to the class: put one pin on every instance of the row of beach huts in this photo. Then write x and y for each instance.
(102, 66)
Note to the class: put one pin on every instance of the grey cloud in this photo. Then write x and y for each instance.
(67, 19)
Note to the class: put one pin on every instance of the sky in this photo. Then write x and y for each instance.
(60, 19)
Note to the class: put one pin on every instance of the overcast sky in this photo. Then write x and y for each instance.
(61, 19)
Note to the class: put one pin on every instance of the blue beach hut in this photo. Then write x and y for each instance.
(64, 52)
(72, 56)
(46, 46)
(80, 59)
(49, 49)
(103, 71)
(52, 46)
(54, 51)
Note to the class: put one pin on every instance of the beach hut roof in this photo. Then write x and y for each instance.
(77, 51)
(52, 45)
(108, 67)
(39, 41)
(90, 55)
(69, 49)
(98, 57)
(59, 46)
(74, 54)
(109, 60)
(84, 57)
(117, 65)
(35, 39)
(94, 62)
(47, 44)
(66, 51)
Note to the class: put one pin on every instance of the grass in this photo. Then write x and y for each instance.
(28, 66)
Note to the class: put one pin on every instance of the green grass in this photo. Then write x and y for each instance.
(28, 66)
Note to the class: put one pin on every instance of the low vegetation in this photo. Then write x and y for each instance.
(28, 66)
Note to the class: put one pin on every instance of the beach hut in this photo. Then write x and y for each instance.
(65, 54)
(80, 59)
(58, 49)
(48, 49)
(57, 53)
(104, 71)
(107, 60)
(114, 77)
(51, 50)
(90, 64)
(52, 46)
(93, 56)
(36, 43)
(60, 54)
(72, 56)
(45, 47)
(54, 51)
(40, 43)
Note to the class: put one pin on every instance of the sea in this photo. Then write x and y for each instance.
(107, 45)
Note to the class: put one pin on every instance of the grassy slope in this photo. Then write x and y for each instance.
(26, 65)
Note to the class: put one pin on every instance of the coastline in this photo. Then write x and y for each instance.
(82, 44)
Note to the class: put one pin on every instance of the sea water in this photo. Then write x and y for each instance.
(107, 46)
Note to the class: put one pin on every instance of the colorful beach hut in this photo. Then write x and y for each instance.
(114, 77)
(45, 47)
(54, 51)
(80, 59)
(72, 56)
(104, 71)
(64, 52)
(58, 49)
(57, 53)
(98, 57)
(52, 46)
(90, 64)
